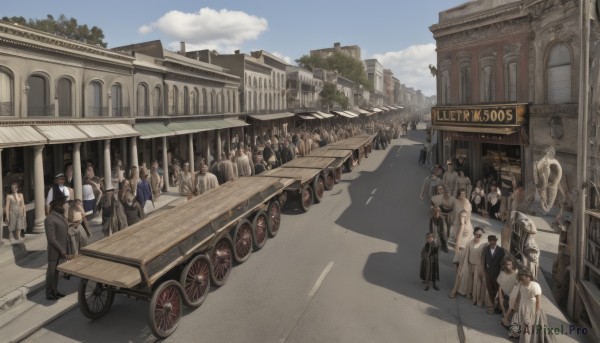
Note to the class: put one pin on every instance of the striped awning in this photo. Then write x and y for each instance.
(325, 115)
(343, 114)
(20, 135)
(59, 134)
(271, 116)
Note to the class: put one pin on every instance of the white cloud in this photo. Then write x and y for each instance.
(411, 66)
(222, 30)
(287, 59)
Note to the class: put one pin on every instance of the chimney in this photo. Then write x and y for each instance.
(237, 52)
(182, 48)
(337, 45)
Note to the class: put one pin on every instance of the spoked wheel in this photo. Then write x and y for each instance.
(165, 309)
(337, 175)
(242, 241)
(195, 281)
(94, 298)
(330, 180)
(260, 226)
(306, 198)
(319, 189)
(221, 262)
(273, 218)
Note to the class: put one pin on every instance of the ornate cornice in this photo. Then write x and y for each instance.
(62, 121)
(554, 109)
(201, 73)
(496, 30)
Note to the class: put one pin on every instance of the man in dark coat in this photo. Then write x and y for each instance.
(439, 228)
(492, 263)
(57, 231)
(430, 266)
(286, 152)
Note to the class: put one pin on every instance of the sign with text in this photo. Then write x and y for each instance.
(497, 115)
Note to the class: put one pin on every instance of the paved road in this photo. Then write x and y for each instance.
(345, 272)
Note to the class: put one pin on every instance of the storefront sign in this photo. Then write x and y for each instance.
(479, 115)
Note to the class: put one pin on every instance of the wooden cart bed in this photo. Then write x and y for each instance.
(299, 174)
(310, 162)
(158, 244)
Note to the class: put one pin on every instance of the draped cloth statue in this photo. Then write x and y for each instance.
(530, 252)
(547, 174)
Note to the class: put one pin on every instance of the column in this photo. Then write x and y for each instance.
(218, 138)
(191, 152)
(38, 188)
(134, 153)
(165, 165)
(78, 182)
(107, 168)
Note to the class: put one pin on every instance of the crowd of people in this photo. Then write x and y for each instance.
(485, 273)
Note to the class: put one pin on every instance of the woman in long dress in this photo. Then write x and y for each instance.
(507, 280)
(460, 204)
(464, 235)
(469, 281)
(529, 318)
(15, 212)
(186, 182)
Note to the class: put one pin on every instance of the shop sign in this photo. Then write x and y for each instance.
(479, 115)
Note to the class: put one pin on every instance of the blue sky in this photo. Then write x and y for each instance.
(393, 31)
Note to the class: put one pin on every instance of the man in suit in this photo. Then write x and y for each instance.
(57, 230)
(492, 263)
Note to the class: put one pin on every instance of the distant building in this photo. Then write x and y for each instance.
(375, 75)
(350, 50)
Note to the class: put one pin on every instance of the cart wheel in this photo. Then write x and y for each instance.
(330, 180)
(195, 281)
(242, 241)
(221, 262)
(350, 163)
(94, 298)
(274, 218)
(306, 198)
(337, 175)
(366, 148)
(260, 225)
(319, 189)
(165, 309)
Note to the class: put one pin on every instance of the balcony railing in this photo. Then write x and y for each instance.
(6, 109)
(97, 111)
(41, 111)
(120, 112)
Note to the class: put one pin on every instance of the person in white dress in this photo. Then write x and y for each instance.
(205, 181)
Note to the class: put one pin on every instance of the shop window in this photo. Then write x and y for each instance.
(116, 95)
(65, 97)
(465, 85)
(6, 93)
(37, 98)
(157, 102)
(559, 75)
(487, 84)
(142, 100)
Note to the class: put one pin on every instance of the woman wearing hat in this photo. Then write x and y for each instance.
(529, 320)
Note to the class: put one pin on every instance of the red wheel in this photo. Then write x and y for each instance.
(261, 231)
(330, 180)
(337, 175)
(242, 241)
(306, 198)
(195, 280)
(274, 218)
(319, 189)
(221, 261)
(165, 309)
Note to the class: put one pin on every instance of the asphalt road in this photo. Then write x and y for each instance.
(346, 271)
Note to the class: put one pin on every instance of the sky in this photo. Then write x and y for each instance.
(396, 32)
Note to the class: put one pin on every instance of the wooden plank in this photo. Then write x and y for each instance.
(309, 162)
(331, 153)
(301, 174)
(103, 271)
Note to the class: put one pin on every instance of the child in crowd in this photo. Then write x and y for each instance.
(430, 268)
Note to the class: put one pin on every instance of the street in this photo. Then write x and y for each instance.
(346, 271)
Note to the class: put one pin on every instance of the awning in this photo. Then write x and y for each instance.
(477, 129)
(400, 107)
(59, 134)
(153, 130)
(318, 115)
(306, 117)
(355, 112)
(361, 111)
(325, 115)
(108, 131)
(354, 115)
(271, 116)
(17, 136)
(193, 126)
(121, 130)
(343, 114)
(230, 122)
(375, 109)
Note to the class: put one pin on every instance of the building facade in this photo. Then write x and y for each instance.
(350, 50)
(375, 76)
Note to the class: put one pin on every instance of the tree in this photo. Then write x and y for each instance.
(64, 27)
(346, 65)
(330, 96)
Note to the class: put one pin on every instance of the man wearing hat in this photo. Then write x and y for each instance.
(57, 230)
(492, 264)
(58, 190)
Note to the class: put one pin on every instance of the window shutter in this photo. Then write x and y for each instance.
(559, 84)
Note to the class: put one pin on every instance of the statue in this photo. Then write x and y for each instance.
(433, 70)
(547, 174)
(530, 252)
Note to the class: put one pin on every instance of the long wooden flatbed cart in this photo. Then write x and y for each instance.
(173, 259)
(359, 145)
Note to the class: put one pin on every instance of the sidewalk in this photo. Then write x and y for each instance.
(23, 305)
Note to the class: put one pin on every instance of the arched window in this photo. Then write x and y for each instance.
(487, 83)
(270, 101)
(465, 85)
(157, 102)
(95, 108)
(260, 103)
(142, 100)
(37, 98)
(266, 102)
(195, 101)
(116, 96)
(255, 84)
(204, 101)
(559, 74)
(6, 93)
(260, 83)
(65, 97)
(213, 102)
(255, 102)
(186, 101)
(175, 100)
(511, 81)
(222, 102)
(228, 102)
(249, 102)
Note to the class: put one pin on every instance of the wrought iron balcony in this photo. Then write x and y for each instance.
(120, 112)
(97, 111)
(6, 109)
(41, 111)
